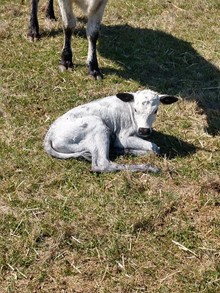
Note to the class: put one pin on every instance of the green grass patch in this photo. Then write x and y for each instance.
(64, 229)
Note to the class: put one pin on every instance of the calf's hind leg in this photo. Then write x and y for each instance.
(98, 144)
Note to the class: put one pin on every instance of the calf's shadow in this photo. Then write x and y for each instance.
(170, 146)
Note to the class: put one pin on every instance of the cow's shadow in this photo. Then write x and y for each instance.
(164, 63)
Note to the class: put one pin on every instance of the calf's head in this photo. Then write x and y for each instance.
(144, 105)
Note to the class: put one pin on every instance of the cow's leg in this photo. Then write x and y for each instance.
(92, 62)
(92, 31)
(50, 11)
(33, 32)
(69, 23)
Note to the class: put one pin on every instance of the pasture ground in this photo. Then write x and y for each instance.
(64, 229)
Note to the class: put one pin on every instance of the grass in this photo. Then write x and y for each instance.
(64, 229)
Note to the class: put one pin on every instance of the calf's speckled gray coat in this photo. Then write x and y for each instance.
(118, 122)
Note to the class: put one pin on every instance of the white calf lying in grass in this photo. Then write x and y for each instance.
(118, 122)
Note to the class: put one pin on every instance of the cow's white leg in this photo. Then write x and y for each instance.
(92, 31)
(69, 23)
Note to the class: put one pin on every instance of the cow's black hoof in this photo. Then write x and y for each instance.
(65, 65)
(33, 36)
(96, 74)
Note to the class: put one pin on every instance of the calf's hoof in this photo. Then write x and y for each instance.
(155, 149)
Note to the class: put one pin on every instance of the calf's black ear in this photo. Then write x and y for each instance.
(125, 97)
(166, 99)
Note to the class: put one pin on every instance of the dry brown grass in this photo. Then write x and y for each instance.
(64, 229)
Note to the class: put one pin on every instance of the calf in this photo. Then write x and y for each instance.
(120, 123)
(93, 9)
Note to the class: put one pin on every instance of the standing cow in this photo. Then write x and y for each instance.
(93, 9)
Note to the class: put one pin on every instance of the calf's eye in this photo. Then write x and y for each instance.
(155, 112)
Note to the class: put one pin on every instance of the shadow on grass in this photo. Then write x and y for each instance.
(171, 146)
(161, 62)
(51, 33)
(164, 63)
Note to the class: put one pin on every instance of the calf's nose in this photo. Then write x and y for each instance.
(144, 131)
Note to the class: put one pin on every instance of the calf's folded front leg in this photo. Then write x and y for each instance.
(137, 146)
(101, 162)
